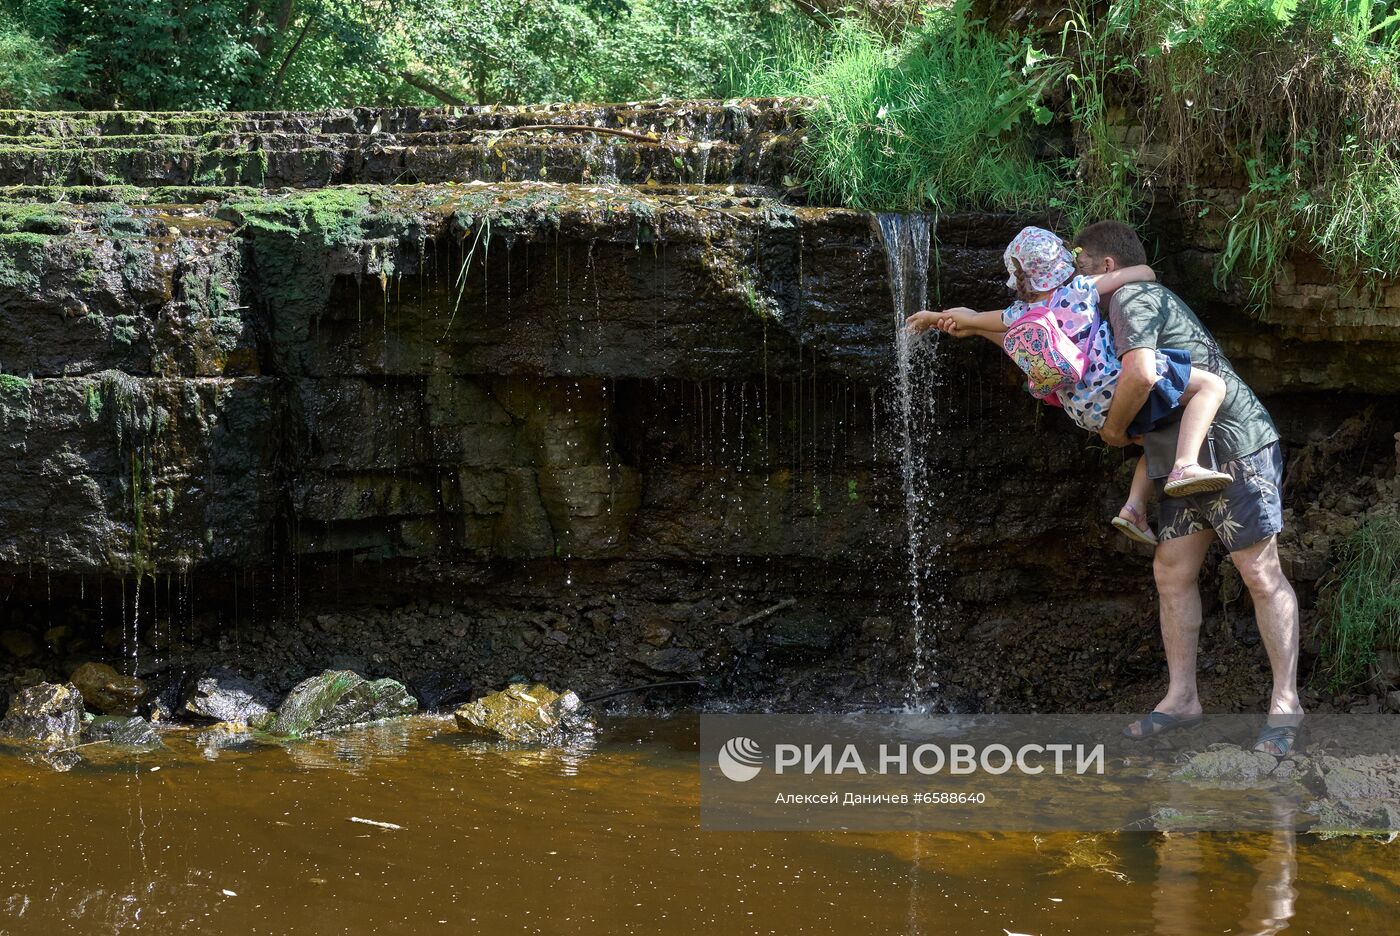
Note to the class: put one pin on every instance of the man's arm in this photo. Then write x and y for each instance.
(1134, 384)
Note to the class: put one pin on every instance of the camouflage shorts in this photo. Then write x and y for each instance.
(1247, 511)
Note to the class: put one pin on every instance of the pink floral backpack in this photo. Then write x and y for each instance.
(1050, 360)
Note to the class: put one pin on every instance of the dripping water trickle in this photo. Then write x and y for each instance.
(906, 241)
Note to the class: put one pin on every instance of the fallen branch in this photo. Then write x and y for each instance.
(376, 823)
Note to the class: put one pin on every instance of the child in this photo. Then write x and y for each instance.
(1042, 275)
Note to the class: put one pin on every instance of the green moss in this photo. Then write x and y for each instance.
(16, 399)
(34, 219)
(22, 260)
(93, 397)
(124, 329)
(300, 241)
(331, 216)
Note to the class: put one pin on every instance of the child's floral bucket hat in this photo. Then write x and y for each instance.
(1044, 258)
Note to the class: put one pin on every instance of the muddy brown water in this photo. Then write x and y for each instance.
(591, 841)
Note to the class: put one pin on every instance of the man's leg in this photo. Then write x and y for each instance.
(1177, 569)
(1276, 610)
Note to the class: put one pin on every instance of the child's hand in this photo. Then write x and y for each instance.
(957, 322)
(921, 321)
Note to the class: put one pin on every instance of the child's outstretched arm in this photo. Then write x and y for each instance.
(1108, 283)
(960, 322)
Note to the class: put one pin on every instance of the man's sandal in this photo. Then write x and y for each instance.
(1283, 737)
(1135, 529)
(1194, 479)
(1156, 723)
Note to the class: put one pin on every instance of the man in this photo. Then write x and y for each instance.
(1246, 516)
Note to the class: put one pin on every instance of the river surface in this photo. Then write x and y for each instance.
(596, 840)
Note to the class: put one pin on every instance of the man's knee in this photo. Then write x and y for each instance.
(1260, 569)
(1176, 566)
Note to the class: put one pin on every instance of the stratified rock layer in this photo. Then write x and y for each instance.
(607, 395)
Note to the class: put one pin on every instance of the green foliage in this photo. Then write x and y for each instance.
(1302, 97)
(934, 119)
(1365, 604)
(251, 54)
(34, 75)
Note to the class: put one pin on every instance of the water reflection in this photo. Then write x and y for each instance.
(1183, 888)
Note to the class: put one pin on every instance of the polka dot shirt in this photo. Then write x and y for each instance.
(1075, 306)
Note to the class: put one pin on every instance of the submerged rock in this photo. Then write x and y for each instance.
(337, 699)
(524, 713)
(107, 691)
(225, 736)
(123, 731)
(229, 699)
(1227, 763)
(1354, 795)
(49, 714)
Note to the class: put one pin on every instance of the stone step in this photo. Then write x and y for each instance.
(315, 162)
(740, 142)
(701, 119)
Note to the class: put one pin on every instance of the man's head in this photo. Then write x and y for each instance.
(1106, 246)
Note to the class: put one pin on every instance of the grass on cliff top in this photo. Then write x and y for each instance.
(1298, 100)
(1365, 605)
(935, 119)
(1302, 99)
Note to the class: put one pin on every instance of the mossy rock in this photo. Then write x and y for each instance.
(338, 699)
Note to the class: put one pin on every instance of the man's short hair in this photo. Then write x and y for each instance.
(1112, 239)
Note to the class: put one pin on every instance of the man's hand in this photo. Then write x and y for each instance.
(1118, 438)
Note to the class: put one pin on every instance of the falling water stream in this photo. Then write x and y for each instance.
(906, 241)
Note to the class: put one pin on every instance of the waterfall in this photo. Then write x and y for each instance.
(906, 241)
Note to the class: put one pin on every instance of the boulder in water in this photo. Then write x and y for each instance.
(229, 699)
(338, 699)
(441, 689)
(123, 731)
(50, 714)
(107, 691)
(524, 713)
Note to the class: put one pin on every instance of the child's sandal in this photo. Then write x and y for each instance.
(1194, 479)
(1135, 529)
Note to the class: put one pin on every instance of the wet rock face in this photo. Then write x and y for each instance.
(601, 422)
(526, 714)
(107, 691)
(48, 714)
(338, 699)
